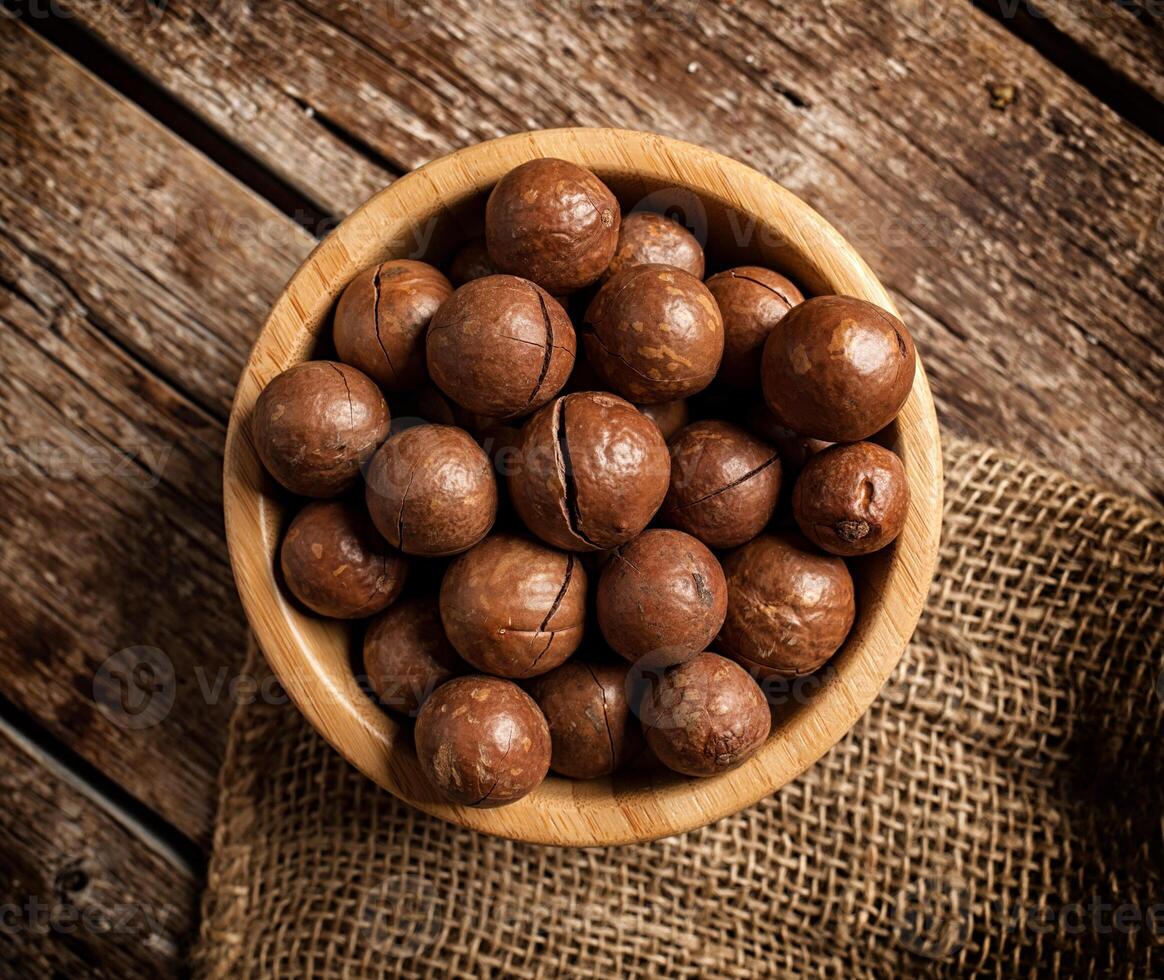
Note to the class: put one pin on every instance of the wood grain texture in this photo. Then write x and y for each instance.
(84, 893)
(313, 656)
(120, 343)
(1020, 243)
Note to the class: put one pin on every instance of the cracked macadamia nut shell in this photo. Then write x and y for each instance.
(431, 491)
(725, 483)
(500, 347)
(336, 564)
(553, 222)
(654, 334)
(789, 606)
(590, 472)
(852, 499)
(407, 655)
(316, 424)
(513, 607)
(381, 321)
(670, 417)
(592, 728)
(837, 369)
(646, 238)
(661, 595)
(482, 741)
(752, 300)
(704, 716)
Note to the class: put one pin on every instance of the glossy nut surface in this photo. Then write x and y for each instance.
(500, 347)
(316, 424)
(789, 606)
(752, 300)
(407, 655)
(646, 238)
(725, 483)
(590, 472)
(553, 222)
(381, 321)
(513, 607)
(592, 728)
(838, 369)
(704, 716)
(654, 334)
(431, 491)
(852, 499)
(336, 564)
(661, 595)
(482, 741)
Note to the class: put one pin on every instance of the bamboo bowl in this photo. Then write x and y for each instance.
(749, 218)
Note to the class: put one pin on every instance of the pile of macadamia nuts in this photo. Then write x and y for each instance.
(587, 540)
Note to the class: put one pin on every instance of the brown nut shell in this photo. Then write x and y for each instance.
(335, 563)
(646, 238)
(654, 334)
(382, 318)
(852, 499)
(592, 728)
(670, 417)
(725, 483)
(316, 424)
(789, 606)
(482, 741)
(661, 595)
(590, 472)
(500, 347)
(431, 491)
(837, 368)
(752, 300)
(407, 655)
(471, 262)
(704, 716)
(513, 607)
(795, 450)
(553, 222)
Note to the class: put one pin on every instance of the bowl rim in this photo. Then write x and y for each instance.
(560, 812)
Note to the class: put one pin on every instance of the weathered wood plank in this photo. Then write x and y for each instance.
(85, 893)
(1020, 241)
(1126, 35)
(121, 343)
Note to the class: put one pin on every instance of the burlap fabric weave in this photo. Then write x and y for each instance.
(997, 812)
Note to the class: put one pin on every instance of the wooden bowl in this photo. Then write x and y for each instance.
(748, 218)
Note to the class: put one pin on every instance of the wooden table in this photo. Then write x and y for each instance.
(165, 166)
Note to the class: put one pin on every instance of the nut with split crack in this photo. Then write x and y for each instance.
(592, 728)
(590, 472)
(513, 607)
(316, 424)
(482, 741)
(335, 563)
(725, 483)
(500, 347)
(752, 300)
(654, 334)
(382, 318)
(431, 491)
(789, 606)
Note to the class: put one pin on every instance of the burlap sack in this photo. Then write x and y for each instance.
(996, 813)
